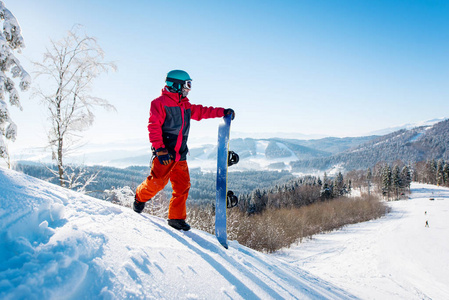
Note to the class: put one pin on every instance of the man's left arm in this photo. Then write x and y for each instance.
(200, 112)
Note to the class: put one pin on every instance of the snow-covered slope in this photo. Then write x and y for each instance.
(396, 257)
(57, 244)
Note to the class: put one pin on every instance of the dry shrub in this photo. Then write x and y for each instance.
(274, 229)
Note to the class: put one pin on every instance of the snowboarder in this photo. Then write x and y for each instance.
(168, 128)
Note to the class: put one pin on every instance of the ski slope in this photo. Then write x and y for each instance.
(395, 257)
(57, 244)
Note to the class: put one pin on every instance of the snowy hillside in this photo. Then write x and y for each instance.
(59, 244)
(396, 257)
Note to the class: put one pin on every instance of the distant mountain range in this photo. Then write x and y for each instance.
(406, 126)
(274, 153)
(410, 143)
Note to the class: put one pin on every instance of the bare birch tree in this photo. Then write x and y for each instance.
(10, 40)
(70, 67)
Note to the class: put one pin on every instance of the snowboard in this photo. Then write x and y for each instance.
(225, 199)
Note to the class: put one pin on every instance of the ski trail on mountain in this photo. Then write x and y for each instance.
(396, 256)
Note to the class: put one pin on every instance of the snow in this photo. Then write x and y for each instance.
(396, 257)
(58, 244)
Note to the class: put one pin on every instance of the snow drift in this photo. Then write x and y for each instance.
(58, 244)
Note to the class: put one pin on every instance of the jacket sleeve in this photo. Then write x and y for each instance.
(200, 112)
(157, 117)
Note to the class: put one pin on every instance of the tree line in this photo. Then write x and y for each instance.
(393, 180)
(270, 219)
(433, 172)
(296, 193)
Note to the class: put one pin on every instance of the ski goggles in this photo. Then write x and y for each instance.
(185, 84)
(188, 84)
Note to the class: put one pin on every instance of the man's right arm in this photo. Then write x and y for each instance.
(157, 117)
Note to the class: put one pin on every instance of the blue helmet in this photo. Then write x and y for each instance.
(177, 80)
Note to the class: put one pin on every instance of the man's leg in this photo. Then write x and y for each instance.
(154, 183)
(180, 180)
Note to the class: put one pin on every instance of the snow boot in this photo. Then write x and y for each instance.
(138, 206)
(179, 224)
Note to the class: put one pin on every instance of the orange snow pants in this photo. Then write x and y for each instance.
(178, 174)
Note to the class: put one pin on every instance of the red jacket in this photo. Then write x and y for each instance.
(169, 122)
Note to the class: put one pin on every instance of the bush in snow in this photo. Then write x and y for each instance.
(123, 196)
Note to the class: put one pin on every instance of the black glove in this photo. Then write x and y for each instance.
(229, 111)
(163, 156)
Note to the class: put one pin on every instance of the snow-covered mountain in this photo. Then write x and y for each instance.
(407, 126)
(58, 244)
(273, 153)
(408, 145)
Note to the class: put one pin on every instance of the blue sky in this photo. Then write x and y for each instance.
(333, 68)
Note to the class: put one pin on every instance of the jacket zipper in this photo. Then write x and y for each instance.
(180, 135)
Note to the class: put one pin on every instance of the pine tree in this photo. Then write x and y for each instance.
(369, 177)
(446, 173)
(10, 40)
(406, 177)
(431, 171)
(339, 185)
(396, 180)
(440, 172)
(256, 198)
(326, 191)
(386, 180)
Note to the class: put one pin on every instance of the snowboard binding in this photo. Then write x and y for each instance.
(233, 158)
(231, 200)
